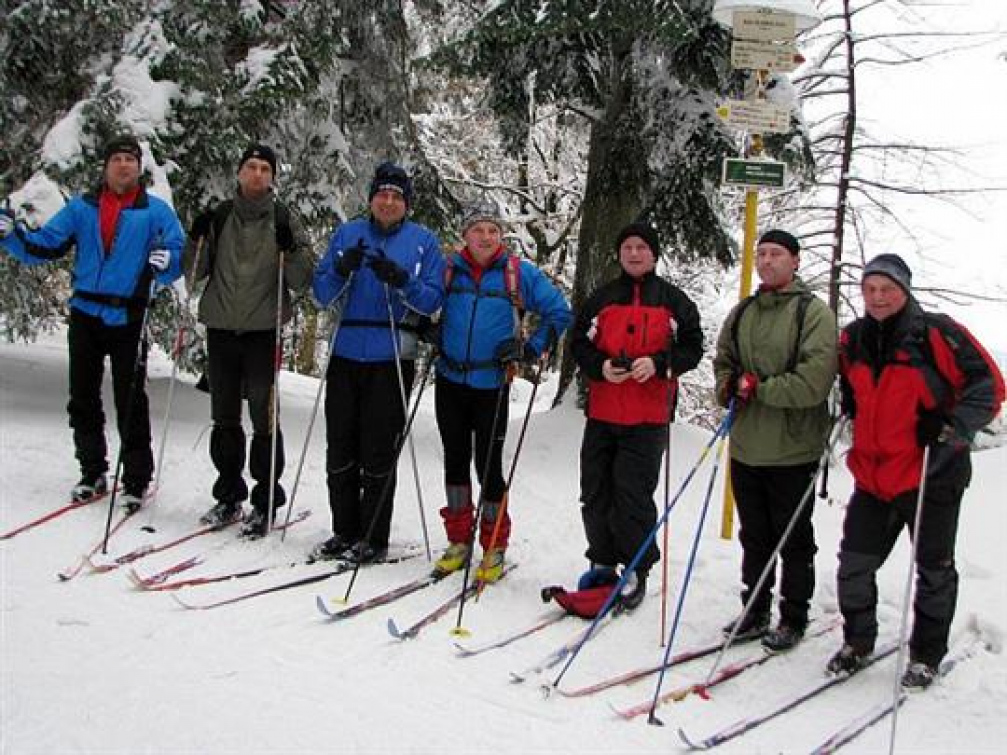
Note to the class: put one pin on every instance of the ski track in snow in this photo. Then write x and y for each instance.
(94, 666)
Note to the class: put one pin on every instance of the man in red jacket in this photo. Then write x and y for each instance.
(632, 339)
(911, 380)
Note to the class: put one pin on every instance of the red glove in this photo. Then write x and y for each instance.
(748, 384)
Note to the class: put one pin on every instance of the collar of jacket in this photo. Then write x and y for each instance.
(250, 209)
(881, 336)
(91, 197)
(386, 231)
(624, 276)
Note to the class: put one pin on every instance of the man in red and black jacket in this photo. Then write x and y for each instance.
(911, 380)
(632, 339)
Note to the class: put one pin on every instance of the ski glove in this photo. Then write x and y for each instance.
(847, 401)
(159, 259)
(284, 238)
(512, 350)
(6, 223)
(748, 385)
(929, 426)
(389, 271)
(350, 260)
(201, 225)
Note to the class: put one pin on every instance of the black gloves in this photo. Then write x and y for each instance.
(388, 271)
(202, 224)
(430, 332)
(351, 259)
(512, 350)
(285, 238)
(929, 425)
(847, 403)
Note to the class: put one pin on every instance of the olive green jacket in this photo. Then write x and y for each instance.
(787, 422)
(240, 293)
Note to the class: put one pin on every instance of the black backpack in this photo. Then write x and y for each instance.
(223, 211)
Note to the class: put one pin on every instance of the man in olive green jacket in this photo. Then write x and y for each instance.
(238, 247)
(776, 357)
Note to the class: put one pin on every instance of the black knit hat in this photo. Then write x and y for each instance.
(259, 152)
(891, 266)
(784, 239)
(642, 231)
(391, 176)
(124, 144)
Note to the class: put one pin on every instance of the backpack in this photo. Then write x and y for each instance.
(804, 299)
(512, 281)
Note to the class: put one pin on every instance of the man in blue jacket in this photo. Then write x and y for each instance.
(384, 272)
(125, 239)
(481, 339)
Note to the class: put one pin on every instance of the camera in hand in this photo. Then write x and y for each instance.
(622, 362)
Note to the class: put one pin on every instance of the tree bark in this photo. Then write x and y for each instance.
(614, 191)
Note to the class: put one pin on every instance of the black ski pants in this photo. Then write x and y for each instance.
(464, 413)
(242, 366)
(364, 420)
(871, 529)
(619, 470)
(90, 341)
(767, 498)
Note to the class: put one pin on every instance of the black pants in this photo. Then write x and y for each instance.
(870, 531)
(241, 365)
(767, 498)
(90, 341)
(619, 470)
(364, 420)
(464, 412)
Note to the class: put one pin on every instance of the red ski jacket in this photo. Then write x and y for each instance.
(635, 318)
(892, 370)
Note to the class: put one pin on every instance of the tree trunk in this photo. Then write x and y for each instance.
(843, 189)
(613, 194)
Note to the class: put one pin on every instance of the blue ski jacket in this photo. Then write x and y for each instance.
(106, 284)
(365, 333)
(477, 317)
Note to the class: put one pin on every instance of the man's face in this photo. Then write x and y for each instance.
(883, 297)
(255, 176)
(483, 239)
(388, 208)
(636, 257)
(775, 264)
(122, 172)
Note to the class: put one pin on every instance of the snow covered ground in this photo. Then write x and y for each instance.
(93, 666)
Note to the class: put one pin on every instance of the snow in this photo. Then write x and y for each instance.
(93, 666)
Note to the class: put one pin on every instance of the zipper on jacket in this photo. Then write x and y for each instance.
(472, 325)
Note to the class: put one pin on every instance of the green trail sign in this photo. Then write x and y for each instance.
(753, 174)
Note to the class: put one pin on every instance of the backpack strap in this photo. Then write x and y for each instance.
(803, 300)
(802, 312)
(281, 219)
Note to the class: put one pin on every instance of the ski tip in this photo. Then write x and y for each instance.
(460, 632)
(393, 629)
(516, 678)
(687, 741)
(461, 651)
